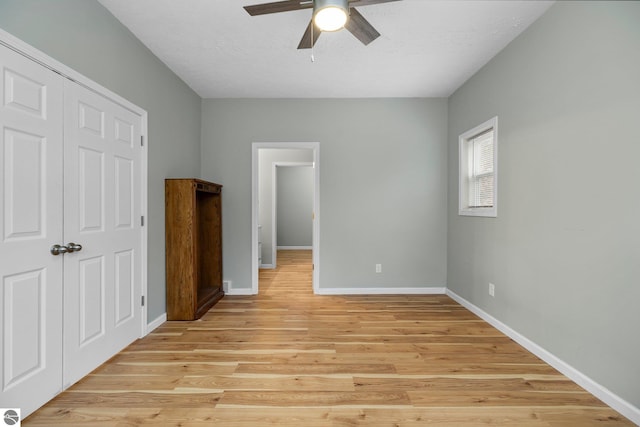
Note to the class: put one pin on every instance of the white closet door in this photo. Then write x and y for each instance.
(31, 156)
(102, 209)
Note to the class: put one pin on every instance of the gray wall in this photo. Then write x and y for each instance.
(564, 252)
(382, 183)
(86, 37)
(266, 158)
(295, 206)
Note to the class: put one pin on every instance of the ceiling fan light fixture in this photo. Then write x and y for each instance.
(330, 15)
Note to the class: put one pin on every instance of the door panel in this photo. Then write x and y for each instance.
(91, 300)
(102, 202)
(124, 204)
(124, 286)
(91, 119)
(31, 153)
(91, 197)
(24, 339)
(25, 92)
(24, 171)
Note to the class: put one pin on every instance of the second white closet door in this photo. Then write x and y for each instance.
(102, 210)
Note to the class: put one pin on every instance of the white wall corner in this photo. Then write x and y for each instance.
(607, 396)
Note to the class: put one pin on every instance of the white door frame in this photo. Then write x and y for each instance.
(274, 204)
(255, 148)
(46, 61)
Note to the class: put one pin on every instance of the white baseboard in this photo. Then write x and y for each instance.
(240, 291)
(267, 266)
(295, 248)
(607, 396)
(156, 322)
(382, 291)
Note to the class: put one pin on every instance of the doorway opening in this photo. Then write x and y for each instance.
(267, 157)
(291, 210)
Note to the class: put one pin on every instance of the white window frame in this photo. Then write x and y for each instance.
(465, 158)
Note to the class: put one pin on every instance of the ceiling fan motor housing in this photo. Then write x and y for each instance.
(330, 15)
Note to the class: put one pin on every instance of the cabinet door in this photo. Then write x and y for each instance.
(102, 209)
(31, 156)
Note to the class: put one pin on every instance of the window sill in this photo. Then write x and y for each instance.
(483, 212)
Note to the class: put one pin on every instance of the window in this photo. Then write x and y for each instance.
(478, 184)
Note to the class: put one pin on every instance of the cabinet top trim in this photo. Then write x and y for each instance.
(197, 184)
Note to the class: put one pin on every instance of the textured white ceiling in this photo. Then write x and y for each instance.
(427, 48)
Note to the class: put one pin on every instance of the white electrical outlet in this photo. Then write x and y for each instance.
(378, 268)
(226, 285)
(492, 289)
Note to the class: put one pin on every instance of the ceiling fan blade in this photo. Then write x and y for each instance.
(361, 28)
(360, 3)
(306, 42)
(278, 6)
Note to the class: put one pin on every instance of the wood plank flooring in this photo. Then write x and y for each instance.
(291, 358)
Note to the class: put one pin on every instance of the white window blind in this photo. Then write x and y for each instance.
(481, 171)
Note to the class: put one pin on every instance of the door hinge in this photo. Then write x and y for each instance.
(142, 140)
(142, 221)
(142, 303)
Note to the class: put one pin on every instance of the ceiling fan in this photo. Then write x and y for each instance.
(343, 10)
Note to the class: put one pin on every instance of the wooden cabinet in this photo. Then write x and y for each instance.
(193, 216)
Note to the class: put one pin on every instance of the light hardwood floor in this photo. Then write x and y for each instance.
(291, 358)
